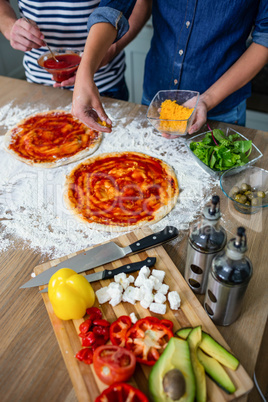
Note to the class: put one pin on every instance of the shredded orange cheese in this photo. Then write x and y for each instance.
(170, 110)
(103, 123)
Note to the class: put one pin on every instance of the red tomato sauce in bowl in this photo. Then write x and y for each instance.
(64, 68)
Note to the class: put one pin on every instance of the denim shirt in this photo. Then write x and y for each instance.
(194, 41)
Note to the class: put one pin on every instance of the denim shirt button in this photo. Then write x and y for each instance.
(187, 24)
(181, 52)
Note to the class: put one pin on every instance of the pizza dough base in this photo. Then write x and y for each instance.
(159, 214)
(59, 162)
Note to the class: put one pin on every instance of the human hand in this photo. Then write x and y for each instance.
(87, 106)
(26, 35)
(67, 83)
(200, 117)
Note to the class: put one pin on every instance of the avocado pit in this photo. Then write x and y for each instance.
(174, 384)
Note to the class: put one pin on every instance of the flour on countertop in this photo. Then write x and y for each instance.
(31, 199)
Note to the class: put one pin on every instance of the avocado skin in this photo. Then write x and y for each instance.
(194, 339)
(216, 372)
(212, 348)
(176, 355)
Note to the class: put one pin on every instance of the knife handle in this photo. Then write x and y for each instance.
(128, 268)
(170, 232)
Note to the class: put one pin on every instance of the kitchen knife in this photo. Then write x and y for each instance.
(103, 254)
(110, 273)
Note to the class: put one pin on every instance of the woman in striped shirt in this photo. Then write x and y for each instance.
(63, 24)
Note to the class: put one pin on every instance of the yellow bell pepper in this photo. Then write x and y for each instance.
(70, 294)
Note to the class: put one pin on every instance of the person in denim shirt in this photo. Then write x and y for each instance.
(197, 44)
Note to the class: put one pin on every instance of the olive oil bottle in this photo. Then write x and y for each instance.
(206, 239)
(228, 280)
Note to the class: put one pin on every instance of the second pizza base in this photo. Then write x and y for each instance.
(121, 191)
(51, 139)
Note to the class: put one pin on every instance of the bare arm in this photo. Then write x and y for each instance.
(22, 35)
(238, 75)
(7, 18)
(100, 39)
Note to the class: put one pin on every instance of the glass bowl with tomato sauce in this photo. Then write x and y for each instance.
(64, 68)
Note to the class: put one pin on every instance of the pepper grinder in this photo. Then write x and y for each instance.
(228, 280)
(206, 239)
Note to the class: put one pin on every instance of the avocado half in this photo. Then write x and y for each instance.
(174, 368)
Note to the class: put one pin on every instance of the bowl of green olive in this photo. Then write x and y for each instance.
(247, 188)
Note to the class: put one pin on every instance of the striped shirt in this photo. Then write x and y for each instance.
(64, 25)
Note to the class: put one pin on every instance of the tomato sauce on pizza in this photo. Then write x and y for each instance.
(122, 189)
(50, 137)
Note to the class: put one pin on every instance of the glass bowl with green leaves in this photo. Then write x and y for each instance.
(219, 150)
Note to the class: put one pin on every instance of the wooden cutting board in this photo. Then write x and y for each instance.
(86, 383)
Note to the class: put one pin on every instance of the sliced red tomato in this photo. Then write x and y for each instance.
(113, 363)
(122, 392)
(118, 330)
(147, 339)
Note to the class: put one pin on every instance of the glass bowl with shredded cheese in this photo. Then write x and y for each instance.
(171, 112)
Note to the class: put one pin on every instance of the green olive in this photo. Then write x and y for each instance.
(241, 198)
(234, 191)
(245, 187)
(256, 202)
(261, 194)
(249, 194)
(237, 197)
(248, 203)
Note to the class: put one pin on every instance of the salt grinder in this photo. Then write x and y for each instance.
(206, 239)
(228, 280)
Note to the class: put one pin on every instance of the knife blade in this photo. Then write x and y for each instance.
(103, 254)
(110, 273)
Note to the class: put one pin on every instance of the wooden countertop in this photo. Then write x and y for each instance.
(32, 367)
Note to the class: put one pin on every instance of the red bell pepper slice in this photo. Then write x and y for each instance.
(94, 313)
(147, 339)
(118, 330)
(121, 392)
(85, 355)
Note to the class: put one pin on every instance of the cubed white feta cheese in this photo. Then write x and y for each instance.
(114, 289)
(131, 279)
(145, 271)
(140, 292)
(139, 280)
(156, 282)
(120, 277)
(159, 298)
(158, 308)
(148, 285)
(148, 297)
(115, 300)
(144, 304)
(103, 295)
(174, 300)
(133, 318)
(129, 295)
(163, 289)
(160, 275)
